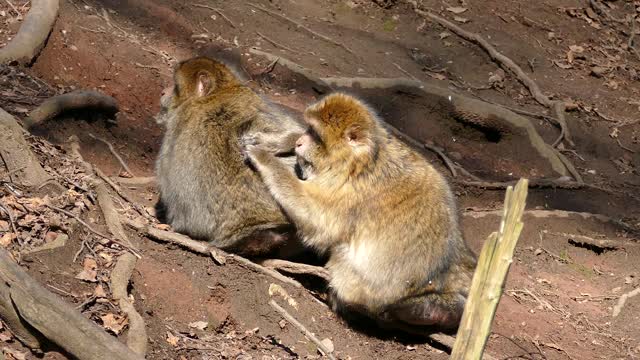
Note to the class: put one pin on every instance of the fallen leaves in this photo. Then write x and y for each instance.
(200, 325)
(172, 339)
(114, 323)
(90, 270)
(457, 9)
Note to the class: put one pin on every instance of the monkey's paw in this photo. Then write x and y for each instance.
(258, 156)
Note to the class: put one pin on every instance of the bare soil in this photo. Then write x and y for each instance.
(560, 293)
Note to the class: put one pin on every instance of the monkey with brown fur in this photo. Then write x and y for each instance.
(207, 190)
(386, 217)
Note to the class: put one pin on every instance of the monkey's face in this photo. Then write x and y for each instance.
(310, 151)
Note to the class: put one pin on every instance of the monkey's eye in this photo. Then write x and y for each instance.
(314, 135)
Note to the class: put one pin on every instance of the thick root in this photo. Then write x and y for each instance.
(33, 33)
(75, 100)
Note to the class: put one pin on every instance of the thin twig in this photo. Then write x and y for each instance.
(297, 268)
(96, 232)
(274, 43)
(404, 71)
(82, 246)
(302, 328)
(218, 11)
(60, 291)
(444, 158)
(206, 249)
(624, 147)
(14, 8)
(99, 31)
(300, 26)
(124, 195)
(113, 151)
(632, 37)
(12, 221)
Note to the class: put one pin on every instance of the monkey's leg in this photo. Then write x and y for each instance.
(443, 310)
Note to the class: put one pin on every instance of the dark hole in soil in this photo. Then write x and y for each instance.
(599, 250)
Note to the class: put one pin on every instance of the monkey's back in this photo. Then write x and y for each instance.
(207, 189)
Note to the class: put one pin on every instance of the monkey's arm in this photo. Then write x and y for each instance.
(290, 193)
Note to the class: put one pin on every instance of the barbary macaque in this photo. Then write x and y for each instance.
(207, 189)
(386, 217)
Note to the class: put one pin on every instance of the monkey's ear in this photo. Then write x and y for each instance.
(204, 84)
(356, 135)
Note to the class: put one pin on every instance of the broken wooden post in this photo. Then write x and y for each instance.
(489, 278)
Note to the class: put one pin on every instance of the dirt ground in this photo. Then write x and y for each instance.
(570, 268)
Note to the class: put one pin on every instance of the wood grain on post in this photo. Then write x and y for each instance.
(488, 281)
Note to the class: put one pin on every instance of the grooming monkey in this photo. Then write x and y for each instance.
(207, 189)
(383, 213)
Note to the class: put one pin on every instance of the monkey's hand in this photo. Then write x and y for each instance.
(259, 157)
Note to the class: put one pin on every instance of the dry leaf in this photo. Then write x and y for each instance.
(611, 84)
(457, 9)
(328, 344)
(436, 76)
(125, 174)
(5, 336)
(163, 227)
(90, 272)
(443, 35)
(6, 239)
(114, 323)
(99, 292)
(14, 354)
(173, 340)
(614, 133)
(461, 19)
(4, 226)
(200, 325)
(561, 65)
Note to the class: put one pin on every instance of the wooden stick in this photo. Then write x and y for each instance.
(297, 268)
(274, 43)
(489, 278)
(114, 152)
(45, 314)
(300, 26)
(488, 281)
(450, 165)
(203, 248)
(302, 328)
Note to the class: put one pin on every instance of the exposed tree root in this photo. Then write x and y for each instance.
(562, 214)
(121, 274)
(33, 33)
(137, 181)
(42, 314)
(302, 328)
(297, 268)
(205, 249)
(557, 106)
(78, 99)
(471, 110)
(623, 299)
(114, 153)
(22, 165)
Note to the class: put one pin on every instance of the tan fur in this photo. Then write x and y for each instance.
(385, 215)
(207, 189)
